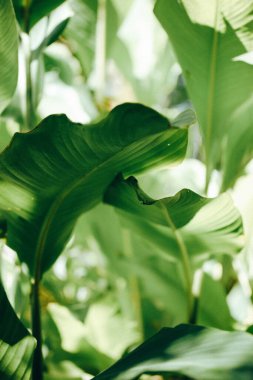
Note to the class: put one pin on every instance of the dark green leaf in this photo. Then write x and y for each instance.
(37, 10)
(16, 344)
(198, 352)
(53, 174)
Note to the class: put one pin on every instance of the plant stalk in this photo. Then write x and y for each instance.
(37, 368)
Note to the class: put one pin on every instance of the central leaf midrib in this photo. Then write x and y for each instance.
(56, 204)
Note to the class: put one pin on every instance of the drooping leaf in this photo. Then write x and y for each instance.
(198, 352)
(207, 37)
(206, 226)
(53, 174)
(8, 52)
(16, 344)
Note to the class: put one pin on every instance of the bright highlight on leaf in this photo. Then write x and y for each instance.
(195, 351)
(16, 344)
(8, 52)
(207, 37)
(66, 167)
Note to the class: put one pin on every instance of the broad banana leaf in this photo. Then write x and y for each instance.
(185, 224)
(208, 37)
(51, 175)
(195, 351)
(16, 344)
(9, 53)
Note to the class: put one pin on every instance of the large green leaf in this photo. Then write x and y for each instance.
(8, 52)
(198, 352)
(60, 170)
(185, 224)
(208, 37)
(16, 344)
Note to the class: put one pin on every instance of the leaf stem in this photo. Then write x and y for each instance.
(186, 265)
(37, 368)
(29, 109)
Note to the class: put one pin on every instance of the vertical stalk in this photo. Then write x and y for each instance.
(100, 53)
(29, 112)
(37, 368)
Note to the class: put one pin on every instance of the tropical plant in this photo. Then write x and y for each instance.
(122, 256)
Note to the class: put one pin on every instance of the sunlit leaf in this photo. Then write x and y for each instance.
(198, 352)
(9, 53)
(63, 169)
(16, 344)
(207, 37)
(185, 222)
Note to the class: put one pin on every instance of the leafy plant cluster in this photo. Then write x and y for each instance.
(118, 222)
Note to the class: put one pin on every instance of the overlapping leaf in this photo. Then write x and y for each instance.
(206, 226)
(60, 169)
(16, 344)
(208, 37)
(8, 52)
(198, 352)
(34, 10)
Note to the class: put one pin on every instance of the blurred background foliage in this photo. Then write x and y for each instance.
(112, 288)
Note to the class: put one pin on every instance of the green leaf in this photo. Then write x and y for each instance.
(51, 38)
(9, 53)
(81, 32)
(212, 298)
(207, 37)
(185, 222)
(64, 168)
(16, 344)
(37, 10)
(198, 352)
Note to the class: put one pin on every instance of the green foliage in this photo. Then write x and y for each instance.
(16, 344)
(74, 164)
(101, 247)
(9, 53)
(185, 350)
(209, 40)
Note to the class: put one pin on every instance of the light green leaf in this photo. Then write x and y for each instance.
(207, 37)
(198, 352)
(64, 168)
(212, 298)
(81, 32)
(8, 52)
(16, 344)
(184, 223)
(73, 343)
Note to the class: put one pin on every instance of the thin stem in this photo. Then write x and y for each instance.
(37, 369)
(100, 54)
(29, 112)
(185, 261)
